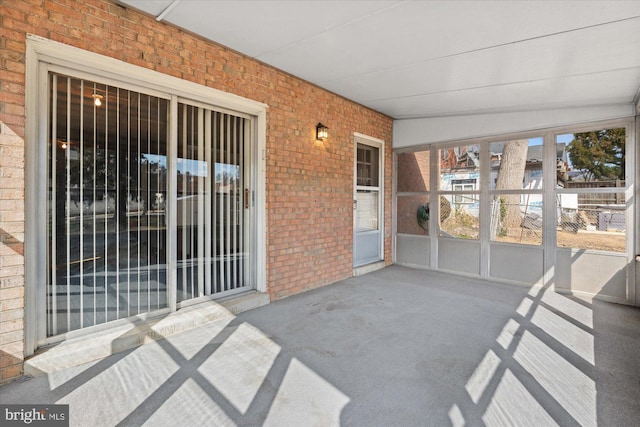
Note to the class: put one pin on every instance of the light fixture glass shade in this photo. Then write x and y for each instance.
(322, 132)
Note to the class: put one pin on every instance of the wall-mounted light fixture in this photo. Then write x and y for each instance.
(97, 99)
(322, 132)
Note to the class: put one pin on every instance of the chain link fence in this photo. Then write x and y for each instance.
(592, 221)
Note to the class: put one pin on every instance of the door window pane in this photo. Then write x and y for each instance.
(366, 210)
(212, 232)
(367, 165)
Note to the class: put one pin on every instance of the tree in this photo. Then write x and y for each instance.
(600, 155)
(510, 176)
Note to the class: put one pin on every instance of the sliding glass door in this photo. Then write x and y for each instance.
(111, 213)
(212, 204)
(107, 186)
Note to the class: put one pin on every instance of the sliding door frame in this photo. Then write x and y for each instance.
(44, 56)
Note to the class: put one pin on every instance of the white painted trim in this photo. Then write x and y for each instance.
(42, 54)
(549, 203)
(172, 220)
(413, 133)
(485, 212)
(549, 211)
(261, 201)
(526, 134)
(394, 204)
(434, 203)
(637, 208)
(371, 139)
(359, 138)
(368, 268)
(633, 206)
(31, 201)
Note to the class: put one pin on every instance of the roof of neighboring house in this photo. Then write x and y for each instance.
(535, 153)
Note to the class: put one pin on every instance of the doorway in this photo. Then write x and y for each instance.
(140, 219)
(368, 201)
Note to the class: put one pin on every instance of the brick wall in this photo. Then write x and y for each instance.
(11, 253)
(309, 184)
(413, 176)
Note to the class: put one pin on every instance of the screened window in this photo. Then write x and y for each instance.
(459, 192)
(591, 206)
(517, 191)
(413, 214)
(413, 172)
(412, 207)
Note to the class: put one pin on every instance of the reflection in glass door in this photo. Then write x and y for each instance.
(110, 210)
(107, 188)
(212, 203)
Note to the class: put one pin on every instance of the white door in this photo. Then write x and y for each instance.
(367, 203)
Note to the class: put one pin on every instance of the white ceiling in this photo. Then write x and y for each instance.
(412, 59)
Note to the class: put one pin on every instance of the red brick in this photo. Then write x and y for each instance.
(10, 282)
(11, 337)
(12, 326)
(309, 184)
(14, 350)
(14, 271)
(11, 372)
(11, 293)
(6, 361)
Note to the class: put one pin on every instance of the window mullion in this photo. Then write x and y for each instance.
(54, 148)
(172, 205)
(210, 174)
(201, 179)
(80, 260)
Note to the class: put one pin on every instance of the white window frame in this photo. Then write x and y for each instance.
(549, 192)
(42, 55)
(359, 138)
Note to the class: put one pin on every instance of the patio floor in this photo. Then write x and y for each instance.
(397, 347)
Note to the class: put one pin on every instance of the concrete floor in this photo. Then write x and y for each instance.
(398, 347)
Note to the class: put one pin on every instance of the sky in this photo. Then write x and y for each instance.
(566, 138)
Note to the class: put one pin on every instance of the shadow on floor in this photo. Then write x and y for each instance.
(395, 347)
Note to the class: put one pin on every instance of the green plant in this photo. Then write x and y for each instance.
(423, 216)
(503, 215)
(464, 218)
(503, 209)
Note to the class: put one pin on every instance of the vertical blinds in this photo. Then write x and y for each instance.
(108, 203)
(212, 236)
